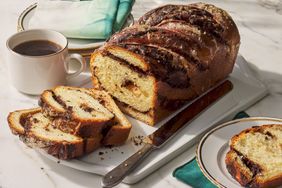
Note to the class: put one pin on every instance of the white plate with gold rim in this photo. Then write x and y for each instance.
(214, 145)
(85, 46)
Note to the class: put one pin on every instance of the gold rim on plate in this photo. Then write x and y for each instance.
(20, 26)
(204, 138)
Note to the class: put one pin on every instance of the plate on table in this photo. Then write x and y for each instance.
(214, 145)
(83, 46)
(246, 91)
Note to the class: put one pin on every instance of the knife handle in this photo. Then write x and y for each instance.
(116, 175)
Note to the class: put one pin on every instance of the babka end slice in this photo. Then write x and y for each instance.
(254, 159)
(36, 131)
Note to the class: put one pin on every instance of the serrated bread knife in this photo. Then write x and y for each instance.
(165, 132)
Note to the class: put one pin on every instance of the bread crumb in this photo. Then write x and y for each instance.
(137, 140)
(101, 153)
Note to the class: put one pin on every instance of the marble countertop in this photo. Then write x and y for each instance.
(260, 26)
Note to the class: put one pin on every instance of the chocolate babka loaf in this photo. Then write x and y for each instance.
(171, 55)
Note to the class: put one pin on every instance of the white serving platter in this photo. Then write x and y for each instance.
(247, 90)
(214, 146)
(74, 44)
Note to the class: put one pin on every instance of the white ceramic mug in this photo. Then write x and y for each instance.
(33, 74)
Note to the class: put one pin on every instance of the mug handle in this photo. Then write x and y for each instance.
(78, 58)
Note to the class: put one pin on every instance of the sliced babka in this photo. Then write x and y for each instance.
(255, 156)
(87, 113)
(37, 131)
(172, 55)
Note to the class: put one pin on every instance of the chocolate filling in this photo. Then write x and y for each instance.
(86, 108)
(26, 122)
(59, 100)
(200, 18)
(186, 46)
(162, 65)
(107, 128)
(23, 121)
(255, 168)
(125, 63)
(65, 125)
(69, 109)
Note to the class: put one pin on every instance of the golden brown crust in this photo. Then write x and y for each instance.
(91, 144)
(233, 166)
(117, 135)
(16, 116)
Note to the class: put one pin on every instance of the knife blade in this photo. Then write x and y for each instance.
(165, 132)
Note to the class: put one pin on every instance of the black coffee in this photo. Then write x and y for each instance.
(37, 48)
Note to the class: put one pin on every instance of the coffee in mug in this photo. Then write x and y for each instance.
(37, 48)
(38, 59)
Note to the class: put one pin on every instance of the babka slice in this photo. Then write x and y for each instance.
(255, 156)
(87, 113)
(37, 131)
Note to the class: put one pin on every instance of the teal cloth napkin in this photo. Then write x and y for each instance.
(122, 13)
(190, 172)
(94, 19)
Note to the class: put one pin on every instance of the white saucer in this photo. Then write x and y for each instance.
(213, 147)
(74, 44)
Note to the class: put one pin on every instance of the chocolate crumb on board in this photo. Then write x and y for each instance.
(137, 140)
(41, 168)
(102, 158)
(58, 162)
(101, 153)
